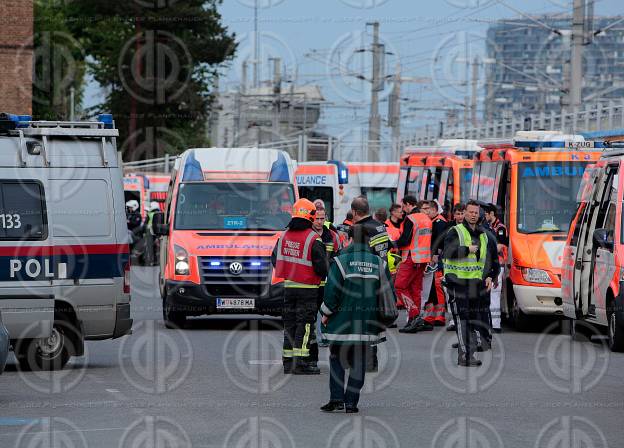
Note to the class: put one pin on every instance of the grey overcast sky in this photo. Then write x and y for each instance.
(316, 38)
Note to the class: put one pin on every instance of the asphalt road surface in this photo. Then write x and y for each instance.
(219, 384)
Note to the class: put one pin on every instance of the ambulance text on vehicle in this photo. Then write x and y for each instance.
(326, 181)
(224, 213)
(534, 180)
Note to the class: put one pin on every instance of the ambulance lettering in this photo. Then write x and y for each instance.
(34, 269)
(311, 180)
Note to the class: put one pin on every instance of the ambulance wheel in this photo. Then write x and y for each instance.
(616, 333)
(51, 353)
(174, 320)
(519, 320)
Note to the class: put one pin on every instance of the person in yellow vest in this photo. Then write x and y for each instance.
(300, 259)
(470, 271)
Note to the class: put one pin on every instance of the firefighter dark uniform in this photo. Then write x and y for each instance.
(464, 275)
(300, 259)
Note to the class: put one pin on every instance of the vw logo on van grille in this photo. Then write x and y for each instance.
(236, 268)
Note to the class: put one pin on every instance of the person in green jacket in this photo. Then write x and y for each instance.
(350, 316)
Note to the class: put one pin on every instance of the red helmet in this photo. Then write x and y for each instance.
(305, 209)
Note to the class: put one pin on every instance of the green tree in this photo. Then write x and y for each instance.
(58, 63)
(157, 61)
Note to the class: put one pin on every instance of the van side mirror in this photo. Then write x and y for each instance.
(604, 238)
(161, 228)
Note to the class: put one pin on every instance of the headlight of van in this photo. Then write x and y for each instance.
(181, 260)
(535, 275)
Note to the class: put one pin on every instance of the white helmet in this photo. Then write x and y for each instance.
(154, 207)
(133, 205)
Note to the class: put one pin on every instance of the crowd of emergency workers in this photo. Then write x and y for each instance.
(341, 279)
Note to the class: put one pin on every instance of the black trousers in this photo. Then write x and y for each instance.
(467, 303)
(299, 316)
(314, 348)
(341, 358)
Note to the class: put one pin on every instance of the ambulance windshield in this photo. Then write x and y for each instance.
(233, 206)
(547, 195)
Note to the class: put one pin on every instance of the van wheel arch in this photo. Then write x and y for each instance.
(615, 323)
(53, 353)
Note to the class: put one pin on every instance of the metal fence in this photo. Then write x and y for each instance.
(588, 118)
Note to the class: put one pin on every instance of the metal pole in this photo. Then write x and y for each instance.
(256, 46)
(576, 64)
(395, 110)
(72, 103)
(475, 83)
(374, 122)
(277, 89)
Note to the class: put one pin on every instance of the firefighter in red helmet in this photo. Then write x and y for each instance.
(300, 259)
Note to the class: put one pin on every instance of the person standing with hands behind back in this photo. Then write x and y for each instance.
(470, 265)
(357, 282)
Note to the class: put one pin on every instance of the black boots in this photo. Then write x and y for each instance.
(468, 361)
(416, 325)
(306, 368)
(333, 406)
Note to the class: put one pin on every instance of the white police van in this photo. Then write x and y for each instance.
(64, 263)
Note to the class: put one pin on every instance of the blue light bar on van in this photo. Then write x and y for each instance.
(343, 171)
(256, 263)
(215, 263)
(21, 121)
(107, 119)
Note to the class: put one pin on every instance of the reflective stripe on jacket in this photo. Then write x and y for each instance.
(294, 258)
(468, 268)
(420, 246)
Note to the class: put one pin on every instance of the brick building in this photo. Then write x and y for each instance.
(16, 56)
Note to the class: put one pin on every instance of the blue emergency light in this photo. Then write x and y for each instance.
(343, 171)
(107, 119)
(256, 263)
(215, 263)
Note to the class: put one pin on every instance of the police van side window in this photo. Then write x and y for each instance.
(22, 211)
